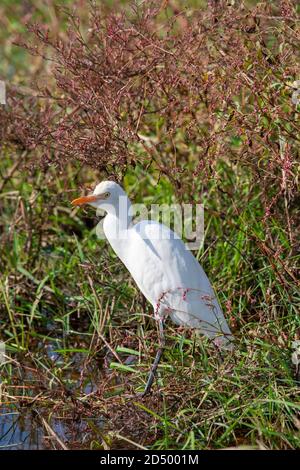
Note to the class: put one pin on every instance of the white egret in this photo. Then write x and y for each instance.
(165, 271)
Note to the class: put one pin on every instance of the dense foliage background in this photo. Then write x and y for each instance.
(180, 102)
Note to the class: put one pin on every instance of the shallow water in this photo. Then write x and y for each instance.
(39, 409)
(17, 431)
(23, 430)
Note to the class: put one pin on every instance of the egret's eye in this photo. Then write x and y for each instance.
(106, 195)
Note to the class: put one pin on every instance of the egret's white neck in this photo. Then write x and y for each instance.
(118, 215)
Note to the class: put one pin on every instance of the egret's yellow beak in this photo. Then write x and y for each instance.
(84, 200)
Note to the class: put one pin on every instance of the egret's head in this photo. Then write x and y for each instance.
(106, 196)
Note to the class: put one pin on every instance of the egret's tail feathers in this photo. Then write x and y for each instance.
(199, 309)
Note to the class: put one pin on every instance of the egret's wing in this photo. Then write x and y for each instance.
(173, 280)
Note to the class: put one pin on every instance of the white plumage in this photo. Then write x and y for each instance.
(167, 273)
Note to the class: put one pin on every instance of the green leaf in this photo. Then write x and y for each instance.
(121, 367)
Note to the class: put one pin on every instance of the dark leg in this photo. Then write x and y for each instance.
(157, 357)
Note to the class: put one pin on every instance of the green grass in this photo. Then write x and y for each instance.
(71, 317)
